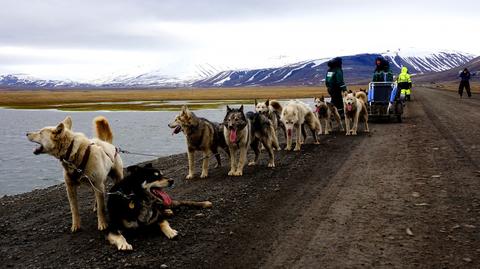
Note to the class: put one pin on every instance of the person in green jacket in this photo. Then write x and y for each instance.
(335, 83)
(404, 83)
(382, 72)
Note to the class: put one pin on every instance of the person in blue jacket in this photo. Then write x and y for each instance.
(464, 83)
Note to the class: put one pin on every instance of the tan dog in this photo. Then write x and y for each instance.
(354, 108)
(325, 112)
(97, 159)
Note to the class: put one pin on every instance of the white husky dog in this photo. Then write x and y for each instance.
(294, 115)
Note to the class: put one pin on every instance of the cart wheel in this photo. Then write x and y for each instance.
(399, 118)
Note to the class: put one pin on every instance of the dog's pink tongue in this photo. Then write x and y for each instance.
(289, 132)
(167, 201)
(349, 107)
(233, 135)
(176, 130)
(317, 109)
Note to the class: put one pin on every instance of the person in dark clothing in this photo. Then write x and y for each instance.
(382, 72)
(335, 83)
(465, 83)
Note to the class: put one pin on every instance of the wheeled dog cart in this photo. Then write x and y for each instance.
(384, 101)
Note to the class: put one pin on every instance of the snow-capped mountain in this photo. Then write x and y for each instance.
(356, 68)
(27, 81)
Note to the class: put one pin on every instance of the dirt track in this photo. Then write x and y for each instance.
(346, 203)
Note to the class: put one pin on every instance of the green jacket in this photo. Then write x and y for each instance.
(334, 79)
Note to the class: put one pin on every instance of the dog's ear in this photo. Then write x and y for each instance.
(132, 169)
(256, 102)
(267, 103)
(322, 98)
(349, 91)
(241, 108)
(185, 109)
(68, 122)
(59, 129)
(228, 109)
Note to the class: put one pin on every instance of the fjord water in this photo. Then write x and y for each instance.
(144, 132)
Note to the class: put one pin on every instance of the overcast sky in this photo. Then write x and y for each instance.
(88, 39)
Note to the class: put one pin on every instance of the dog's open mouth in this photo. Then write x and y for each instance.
(160, 194)
(177, 130)
(233, 135)
(289, 132)
(349, 107)
(39, 149)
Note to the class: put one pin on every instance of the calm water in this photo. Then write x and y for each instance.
(145, 132)
(22, 171)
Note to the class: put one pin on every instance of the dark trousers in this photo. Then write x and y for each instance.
(464, 85)
(337, 98)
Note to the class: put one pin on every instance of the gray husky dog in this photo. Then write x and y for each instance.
(237, 132)
(263, 132)
(201, 135)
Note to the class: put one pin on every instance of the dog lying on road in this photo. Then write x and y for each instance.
(202, 135)
(140, 200)
(96, 159)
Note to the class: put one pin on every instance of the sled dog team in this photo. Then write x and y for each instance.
(138, 199)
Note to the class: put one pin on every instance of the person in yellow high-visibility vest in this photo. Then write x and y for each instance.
(404, 83)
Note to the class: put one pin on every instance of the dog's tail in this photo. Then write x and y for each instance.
(361, 95)
(102, 129)
(277, 107)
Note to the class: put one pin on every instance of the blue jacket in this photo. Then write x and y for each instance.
(465, 76)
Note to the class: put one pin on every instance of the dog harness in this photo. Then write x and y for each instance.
(78, 171)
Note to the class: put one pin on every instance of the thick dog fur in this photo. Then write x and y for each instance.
(103, 161)
(355, 107)
(294, 115)
(263, 132)
(327, 112)
(201, 135)
(138, 201)
(237, 132)
(273, 110)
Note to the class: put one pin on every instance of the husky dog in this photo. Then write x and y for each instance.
(84, 160)
(237, 132)
(263, 133)
(354, 107)
(326, 111)
(140, 200)
(272, 109)
(202, 135)
(294, 115)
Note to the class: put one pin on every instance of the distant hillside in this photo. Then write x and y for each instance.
(452, 74)
(357, 69)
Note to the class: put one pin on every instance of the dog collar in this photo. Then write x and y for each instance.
(66, 157)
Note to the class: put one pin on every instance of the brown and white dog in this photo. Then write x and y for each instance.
(326, 112)
(354, 105)
(96, 159)
(273, 110)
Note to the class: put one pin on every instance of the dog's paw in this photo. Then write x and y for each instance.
(207, 204)
(75, 228)
(238, 173)
(354, 133)
(231, 173)
(271, 165)
(204, 175)
(327, 132)
(189, 176)
(366, 131)
(102, 226)
(316, 143)
(296, 148)
(251, 163)
(124, 246)
(171, 233)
